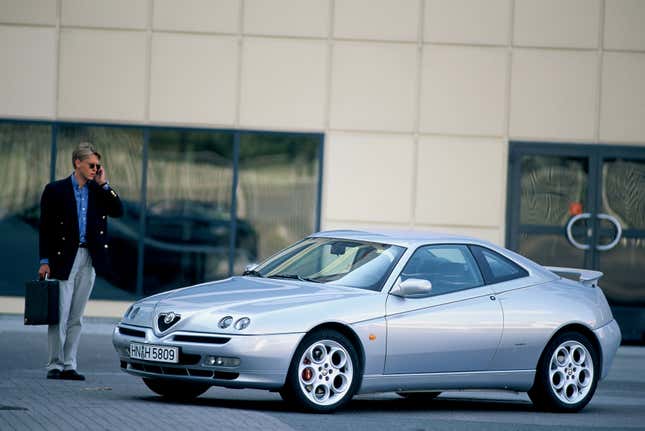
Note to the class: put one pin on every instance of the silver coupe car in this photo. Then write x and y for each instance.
(347, 312)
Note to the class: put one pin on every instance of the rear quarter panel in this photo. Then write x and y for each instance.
(532, 315)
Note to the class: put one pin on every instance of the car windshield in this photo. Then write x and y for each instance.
(343, 262)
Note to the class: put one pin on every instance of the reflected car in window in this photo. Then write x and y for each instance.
(185, 241)
(348, 312)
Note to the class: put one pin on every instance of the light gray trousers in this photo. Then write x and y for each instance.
(74, 293)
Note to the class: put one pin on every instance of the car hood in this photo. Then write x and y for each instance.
(273, 305)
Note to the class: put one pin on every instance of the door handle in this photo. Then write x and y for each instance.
(619, 232)
(573, 220)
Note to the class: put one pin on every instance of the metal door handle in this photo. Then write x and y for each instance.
(573, 220)
(619, 232)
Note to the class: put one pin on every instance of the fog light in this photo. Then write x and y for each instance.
(222, 361)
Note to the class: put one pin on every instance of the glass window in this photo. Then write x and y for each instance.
(553, 189)
(277, 193)
(360, 264)
(24, 171)
(497, 268)
(450, 268)
(121, 151)
(188, 214)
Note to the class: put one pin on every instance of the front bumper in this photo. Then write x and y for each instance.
(609, 337)
(264, 359)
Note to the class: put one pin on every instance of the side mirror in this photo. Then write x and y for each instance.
(248, 269)
(412, 288)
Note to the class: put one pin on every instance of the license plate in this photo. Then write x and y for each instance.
(150, 352)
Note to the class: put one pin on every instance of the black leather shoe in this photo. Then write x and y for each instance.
(71, 375)
(54, 374)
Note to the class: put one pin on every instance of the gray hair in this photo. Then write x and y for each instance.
(84, 151)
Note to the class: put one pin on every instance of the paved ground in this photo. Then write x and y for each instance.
(112, 400)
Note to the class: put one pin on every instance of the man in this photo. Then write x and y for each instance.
(73, 241)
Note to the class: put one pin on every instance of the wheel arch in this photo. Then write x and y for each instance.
(349, 333)
(581, 329)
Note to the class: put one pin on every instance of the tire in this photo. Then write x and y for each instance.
(419, 395)
(567, 374)
(324, 373)
(176, 390)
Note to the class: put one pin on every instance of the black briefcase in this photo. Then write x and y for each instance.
(41, 302)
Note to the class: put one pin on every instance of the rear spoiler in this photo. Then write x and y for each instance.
(585, 276)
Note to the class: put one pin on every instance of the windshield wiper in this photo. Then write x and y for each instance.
(294, 276)
(253, 273)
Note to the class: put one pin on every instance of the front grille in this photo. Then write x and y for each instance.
(201, 339)
(132, 332)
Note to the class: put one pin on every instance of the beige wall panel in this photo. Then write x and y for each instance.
(368, 178)
(197, 15)
(624, 24)
(377, 19)
(102, 74)
(459, 181)
(463, 90)
(287, 17)
(283, 83)
(623, 98)
(341, 224)
(28, 11)
(492, 234)
(468, 21)
(373, 86)
(130, 14)
(27, 75)
(553, 94)
(193, 78)
(557, 23)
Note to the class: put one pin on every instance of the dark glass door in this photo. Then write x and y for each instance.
(584, 207)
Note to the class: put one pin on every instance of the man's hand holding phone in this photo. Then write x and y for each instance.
(100, 176)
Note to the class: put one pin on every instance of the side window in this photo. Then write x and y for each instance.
(449, 268)
(497, 268)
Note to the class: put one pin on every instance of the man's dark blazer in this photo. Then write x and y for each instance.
(59, 231)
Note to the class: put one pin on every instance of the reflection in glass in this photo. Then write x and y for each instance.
(24, 170)
(277, 192)
(552, 189)
(121, 151)
(551, 250)
(350, 263)
(624, 191)
(624, 273)
(190, 176)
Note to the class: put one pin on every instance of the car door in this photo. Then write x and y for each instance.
(456, 328)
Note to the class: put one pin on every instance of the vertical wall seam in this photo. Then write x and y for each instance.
(327, 116)
(417, 114)
(328, 72)
(240, 65)
(504, 222)
(57, 57)
(148, 67)
(600, 60)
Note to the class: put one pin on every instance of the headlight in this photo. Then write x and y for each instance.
(242, 323)
(125, 316)
(225, 322)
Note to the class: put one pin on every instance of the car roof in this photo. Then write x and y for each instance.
(406, 238)
(415, 238)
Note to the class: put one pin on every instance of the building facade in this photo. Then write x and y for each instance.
(255, 122)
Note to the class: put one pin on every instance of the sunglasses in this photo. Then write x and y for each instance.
(94, 165)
